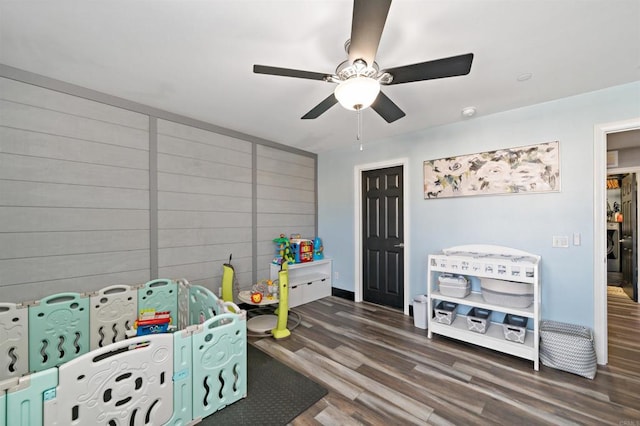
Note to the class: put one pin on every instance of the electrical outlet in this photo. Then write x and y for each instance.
(560, 241)
(336, 275)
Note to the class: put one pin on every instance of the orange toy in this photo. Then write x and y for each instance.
(256, 297)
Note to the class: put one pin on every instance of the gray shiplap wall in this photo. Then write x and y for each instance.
(93, 195)
(204, 204)
(74, 179)
(286, 200)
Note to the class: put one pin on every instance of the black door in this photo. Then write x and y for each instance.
(629, 242)
(383, 237)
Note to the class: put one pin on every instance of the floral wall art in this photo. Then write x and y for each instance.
(525, 169)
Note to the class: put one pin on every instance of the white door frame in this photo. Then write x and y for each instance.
(357, 221)
(599, 231)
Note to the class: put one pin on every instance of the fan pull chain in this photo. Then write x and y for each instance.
(359, 132)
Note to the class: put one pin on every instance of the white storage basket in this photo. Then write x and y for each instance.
(453, 285)
(507, 293)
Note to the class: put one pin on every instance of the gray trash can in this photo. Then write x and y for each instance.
(420, 311)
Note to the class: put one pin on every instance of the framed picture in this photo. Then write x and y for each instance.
(525, 169)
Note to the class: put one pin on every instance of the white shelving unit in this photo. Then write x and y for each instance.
(486, 261)
(308, 281)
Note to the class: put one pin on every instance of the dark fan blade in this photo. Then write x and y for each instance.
(440, 68)
(287, 72)
(387, 109)
(367, 24)
(319, 109)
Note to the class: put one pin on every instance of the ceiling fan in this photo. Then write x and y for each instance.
(359, 78)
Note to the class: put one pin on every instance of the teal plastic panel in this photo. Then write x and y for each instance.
(203, 305)
(4, 385)
(58, 330)
(219, 363)
(14, 340)
(161, 295)
(182, 379)
(25, 404)
(3, 408)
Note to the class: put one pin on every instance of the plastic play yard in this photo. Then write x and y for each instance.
(66, 359)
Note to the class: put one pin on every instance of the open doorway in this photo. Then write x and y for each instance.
(623, 166)
(622, 232)
(601, 135)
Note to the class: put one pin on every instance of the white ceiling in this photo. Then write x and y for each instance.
(623, 140)
(195, 58)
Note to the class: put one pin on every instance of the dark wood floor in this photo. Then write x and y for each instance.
(624, 332)
(381, 370)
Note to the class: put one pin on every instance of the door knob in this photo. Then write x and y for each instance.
(399, 245)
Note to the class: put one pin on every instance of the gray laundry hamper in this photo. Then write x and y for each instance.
(568, 347)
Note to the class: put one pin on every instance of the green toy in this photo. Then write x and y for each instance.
(284, 253)
(283, 306)
(228, 274)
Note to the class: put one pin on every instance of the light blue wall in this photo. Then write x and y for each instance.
(523, 221)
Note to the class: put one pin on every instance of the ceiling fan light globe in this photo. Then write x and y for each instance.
(357, 92)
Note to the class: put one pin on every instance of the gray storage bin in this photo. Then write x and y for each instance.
(478, 320)
(445, 312)
(568, 347)
(515, 328)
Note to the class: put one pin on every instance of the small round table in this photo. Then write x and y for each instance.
(260, 324)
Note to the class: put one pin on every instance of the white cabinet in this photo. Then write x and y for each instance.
(486, 261)
(308, 281)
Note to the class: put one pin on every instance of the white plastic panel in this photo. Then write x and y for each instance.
(113, 310)
(126, 383)
(14, 340)
(183, 303)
